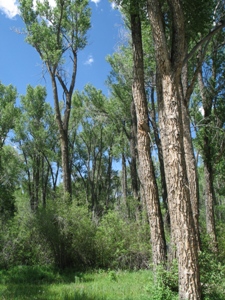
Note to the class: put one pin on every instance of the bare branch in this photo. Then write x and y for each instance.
(202, 41)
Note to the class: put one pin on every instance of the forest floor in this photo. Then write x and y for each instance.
(46, 283)
(23, 283)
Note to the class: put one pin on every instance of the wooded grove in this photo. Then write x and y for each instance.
(131, 180)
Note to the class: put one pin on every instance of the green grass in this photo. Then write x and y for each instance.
(43, 283)
(87, 286)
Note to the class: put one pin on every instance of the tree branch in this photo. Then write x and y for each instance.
(202, 41)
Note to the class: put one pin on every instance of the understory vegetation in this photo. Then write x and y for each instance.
(38, 283)
(64, 235)
(60, 252)
(49, 283)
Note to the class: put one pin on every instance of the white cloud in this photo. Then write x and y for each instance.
(9, 8)
(114, 5)
(96, 1)
(89, 60)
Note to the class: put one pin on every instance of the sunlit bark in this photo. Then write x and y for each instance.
(169, 66)
(146, 169)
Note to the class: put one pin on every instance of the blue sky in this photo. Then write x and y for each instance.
(20, 64)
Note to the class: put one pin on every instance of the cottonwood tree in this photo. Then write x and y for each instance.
(169, 67)
(208, 148)
(146, 168)
(201, 23)
(132, 10)
(8, 111)
(150, 84)
(171, 53)
(34, 137)
(57, 33)
(209, 125)
(93, 139)
(8, 156)
(120, 84)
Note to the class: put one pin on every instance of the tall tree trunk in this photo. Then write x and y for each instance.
(108, 181)
(36, 178)
(191, 169)
(66, 163)
(169, 65)
(134, 163)
(160, 156)
(64, 142)
(209, 189)
(209, 204)
(182, 223)
(99, 169)
(208, 169)
(44, 180)
(146, 169)
(191, 166)
(133, 153)
(124, 184)
(92, 184)
(30, 182)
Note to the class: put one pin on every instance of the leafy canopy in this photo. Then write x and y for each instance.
(54, 30)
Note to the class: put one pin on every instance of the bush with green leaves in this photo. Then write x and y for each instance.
(221, 241)
(122, 243)
(68, 231)
(212, 276)
(10, 172)
(165, 286)
(19, 243)
(61, 234)
(30, 275)
(159, 291)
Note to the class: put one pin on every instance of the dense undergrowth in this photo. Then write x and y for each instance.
(66, 235)
(48, 283)
(61, 252)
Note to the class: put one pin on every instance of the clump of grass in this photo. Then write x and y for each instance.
(30, 274)
(112, 275)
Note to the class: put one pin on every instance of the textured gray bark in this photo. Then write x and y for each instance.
(146, 169)
(160, 156)
(64, 143)
(133, 153)
(169, 67)
(191, 170)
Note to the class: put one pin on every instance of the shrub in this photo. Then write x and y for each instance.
(61, 234)
(212, 276)
(165, 286)
(69, 232)
(30, 275)
(121, 243)
(19, 242)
